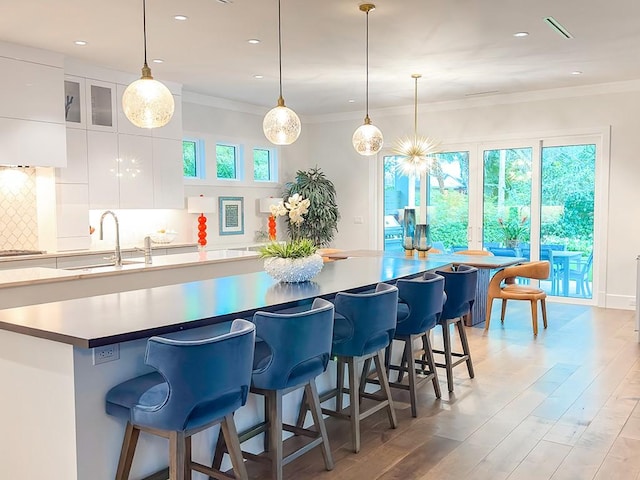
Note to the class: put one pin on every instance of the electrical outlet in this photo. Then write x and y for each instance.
(105, 354)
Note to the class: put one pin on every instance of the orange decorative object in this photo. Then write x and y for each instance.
(272, 228)
(202, 230)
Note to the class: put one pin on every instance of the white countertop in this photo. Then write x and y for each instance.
(38, 275)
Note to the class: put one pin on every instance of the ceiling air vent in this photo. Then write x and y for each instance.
(557, 26)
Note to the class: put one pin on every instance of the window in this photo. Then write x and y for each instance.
(263, 168)
(227, 162)
(192, 158)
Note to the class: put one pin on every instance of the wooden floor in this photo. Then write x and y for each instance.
(560, 406)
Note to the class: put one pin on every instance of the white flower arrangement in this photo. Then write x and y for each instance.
(295, 206)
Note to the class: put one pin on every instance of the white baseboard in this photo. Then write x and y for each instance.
(622, 302)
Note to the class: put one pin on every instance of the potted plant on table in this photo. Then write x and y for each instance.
(295, 260)
(513, 230)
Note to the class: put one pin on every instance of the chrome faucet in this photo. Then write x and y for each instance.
(118, 254)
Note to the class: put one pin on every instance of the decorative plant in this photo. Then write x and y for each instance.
(322, 220)
(513, 229)
(294, 209)
(299, 248)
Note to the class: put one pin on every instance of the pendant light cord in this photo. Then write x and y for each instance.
(367, 63)
(280, 45)
(415, 111)
(144, 29)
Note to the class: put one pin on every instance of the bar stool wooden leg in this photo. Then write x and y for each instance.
(311, 392)
(448, 361)
(187, 458)
(176, 455)
(411, 372)
(265, 440)
(302, 413)
(363, 378)
(230, 434)
(341, 366)
(465, 347)
(384, 384)
(131, 435)
(428, 357)
(275, 434)
(354, 399)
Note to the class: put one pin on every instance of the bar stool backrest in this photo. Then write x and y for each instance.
(371, 318)
(460, 287)
(206, 379)
(298, 346)
(424, 297)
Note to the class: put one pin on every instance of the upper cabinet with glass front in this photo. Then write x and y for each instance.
(90, 104)
(101, 106)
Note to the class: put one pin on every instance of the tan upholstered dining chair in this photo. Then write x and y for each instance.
(512, 291)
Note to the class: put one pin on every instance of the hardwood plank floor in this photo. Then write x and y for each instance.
(560, 406)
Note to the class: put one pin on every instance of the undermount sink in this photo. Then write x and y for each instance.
(106, 264)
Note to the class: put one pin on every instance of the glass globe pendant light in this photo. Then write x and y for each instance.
(146, 102)
(281, 125)
(367, 139)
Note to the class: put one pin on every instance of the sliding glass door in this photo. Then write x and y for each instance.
(534, 198)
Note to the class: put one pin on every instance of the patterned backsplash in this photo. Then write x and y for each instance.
(18, 208)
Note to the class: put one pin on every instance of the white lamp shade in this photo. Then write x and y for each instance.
(201, 204)
(265, 204)
(147, 103)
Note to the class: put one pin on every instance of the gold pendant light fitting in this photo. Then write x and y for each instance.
(146, 102)
(367, 139)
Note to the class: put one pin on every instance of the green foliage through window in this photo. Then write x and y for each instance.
(261, 164)
(189, 158)
(226, 161)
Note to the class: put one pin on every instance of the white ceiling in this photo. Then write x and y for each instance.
(461, 47)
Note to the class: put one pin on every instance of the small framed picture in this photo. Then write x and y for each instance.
(231, 215)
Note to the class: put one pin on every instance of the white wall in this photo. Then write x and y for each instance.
(204, 119)
(554, 111)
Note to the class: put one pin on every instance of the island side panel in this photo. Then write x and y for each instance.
(37, 408)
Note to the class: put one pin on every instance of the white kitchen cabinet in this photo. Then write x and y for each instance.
(31, 91)
(102, 156)
(72, 212)
(168, 184)
(135, 171)
(76, 170)
(30, 143)
(101, 105)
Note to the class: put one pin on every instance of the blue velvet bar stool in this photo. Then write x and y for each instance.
(291, 351)
(198, 383)
(420, 304)
(363, 328)
(460, 287)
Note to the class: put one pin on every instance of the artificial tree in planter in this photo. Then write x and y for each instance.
(321, 221)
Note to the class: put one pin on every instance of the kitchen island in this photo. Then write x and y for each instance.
(53, 406)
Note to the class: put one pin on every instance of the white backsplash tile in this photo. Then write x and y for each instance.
(18, 208)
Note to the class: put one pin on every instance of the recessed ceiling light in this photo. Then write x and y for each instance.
(82, 43)
(352, 100)
(576, 72)
(180, 17)
(253, 41)
(521, 34)
(258, 76)
(157, 60)
(225, 1)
